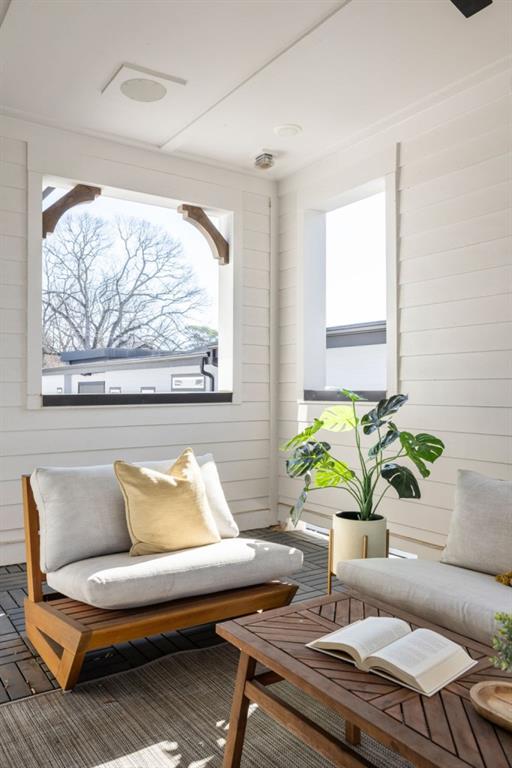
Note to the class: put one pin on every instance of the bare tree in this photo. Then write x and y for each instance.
(125, 284)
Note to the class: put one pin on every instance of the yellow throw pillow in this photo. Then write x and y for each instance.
(505, 578)
(166, 511)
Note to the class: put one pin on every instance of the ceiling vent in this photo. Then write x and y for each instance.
(140, 84)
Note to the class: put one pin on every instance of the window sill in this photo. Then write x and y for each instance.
(164, 398)
(330, 396)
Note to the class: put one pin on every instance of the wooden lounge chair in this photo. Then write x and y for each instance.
(63, 629)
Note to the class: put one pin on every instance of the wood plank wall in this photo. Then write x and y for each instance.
(455, 302)
(238, 435)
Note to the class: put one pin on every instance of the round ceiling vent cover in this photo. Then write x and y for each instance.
(143, 89)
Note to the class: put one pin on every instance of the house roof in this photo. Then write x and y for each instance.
(92, 361)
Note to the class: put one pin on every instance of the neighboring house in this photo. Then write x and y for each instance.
(130, 371)
(356, 356)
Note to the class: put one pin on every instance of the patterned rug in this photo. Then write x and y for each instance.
(171, 713)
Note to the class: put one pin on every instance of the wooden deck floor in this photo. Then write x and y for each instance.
(23, 673)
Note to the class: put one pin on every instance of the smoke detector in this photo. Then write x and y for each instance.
(287, 130)
(264, 161)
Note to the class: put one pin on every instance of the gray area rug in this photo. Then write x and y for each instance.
(172, 713)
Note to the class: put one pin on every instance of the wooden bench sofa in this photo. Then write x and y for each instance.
(62, 629)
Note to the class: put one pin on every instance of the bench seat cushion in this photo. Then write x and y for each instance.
(120, 581)
(456, 598)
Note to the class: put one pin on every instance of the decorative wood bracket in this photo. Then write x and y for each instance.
(200, 220)
(82, 193)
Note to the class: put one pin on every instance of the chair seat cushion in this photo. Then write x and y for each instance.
(120, 581)
(456, 598)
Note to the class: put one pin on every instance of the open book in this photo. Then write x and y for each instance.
(422, 660)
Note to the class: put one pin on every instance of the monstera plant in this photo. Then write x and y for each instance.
(502, 643)
(311, 458)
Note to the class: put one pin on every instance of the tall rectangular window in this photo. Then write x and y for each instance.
(348, 262)
(355, 285)
(130, 299)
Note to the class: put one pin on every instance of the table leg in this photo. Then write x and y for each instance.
(239, 709)
(352, 734)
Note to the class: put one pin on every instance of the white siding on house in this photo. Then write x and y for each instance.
(454, 301)
(358, 367)
(237, 434)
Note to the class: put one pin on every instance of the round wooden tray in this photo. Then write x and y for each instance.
(493, 700)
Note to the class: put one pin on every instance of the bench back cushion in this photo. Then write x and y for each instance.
(480, 536)
(82, 513)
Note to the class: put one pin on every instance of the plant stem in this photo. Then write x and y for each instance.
(339, 487)
(381, 497)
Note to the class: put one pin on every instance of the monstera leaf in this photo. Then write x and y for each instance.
(338, 418)
(332, 472)
(379, 415)
(402, 480)
(351, 395)
(306, 457)
(391, 435)
(306, 434)
(421, 448)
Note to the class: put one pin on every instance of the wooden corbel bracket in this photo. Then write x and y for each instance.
(200, 220)
(82, 193)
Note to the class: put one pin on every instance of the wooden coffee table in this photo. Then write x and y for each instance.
(443, 731)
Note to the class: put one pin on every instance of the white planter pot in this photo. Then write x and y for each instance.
(348, 533)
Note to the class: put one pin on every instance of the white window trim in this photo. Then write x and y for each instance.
(375, 176)
(46, 159)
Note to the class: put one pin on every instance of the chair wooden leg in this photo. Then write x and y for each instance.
(43, 647)
(65, 664)
(239, 711)
(69, 669)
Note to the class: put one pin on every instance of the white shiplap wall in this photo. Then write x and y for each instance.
(454, 297)
(237, 434)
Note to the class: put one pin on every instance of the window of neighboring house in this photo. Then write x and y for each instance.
(59, 389)
(351, 297)
(187, 383)
(130, 290)
(91, 387)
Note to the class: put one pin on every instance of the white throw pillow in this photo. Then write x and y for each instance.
(480, 536)
(81, 510)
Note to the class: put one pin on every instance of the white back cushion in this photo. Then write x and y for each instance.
(480, 535)
(81, 510)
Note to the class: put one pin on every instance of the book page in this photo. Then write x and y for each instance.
(365, 637)
(417, 652)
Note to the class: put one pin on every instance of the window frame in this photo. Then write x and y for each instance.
(313, 209)
(46, 163)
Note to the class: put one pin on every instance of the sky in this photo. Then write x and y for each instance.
(195, 247)
(356, 262)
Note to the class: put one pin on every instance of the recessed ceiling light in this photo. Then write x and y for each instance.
(143, 89)
(287, 130)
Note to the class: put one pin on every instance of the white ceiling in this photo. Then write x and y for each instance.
(332, 66)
